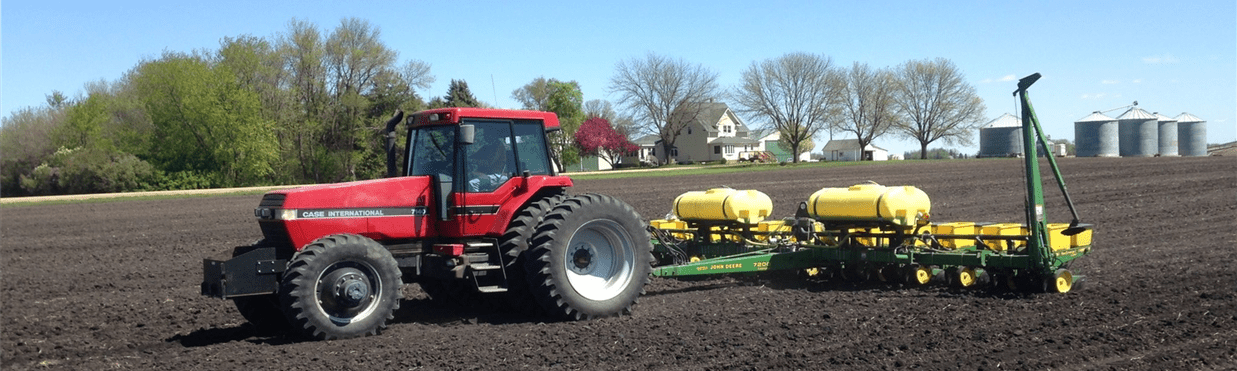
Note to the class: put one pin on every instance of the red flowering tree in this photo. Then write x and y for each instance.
(597, 138)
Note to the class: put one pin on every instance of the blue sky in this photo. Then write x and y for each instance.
(1094, 55)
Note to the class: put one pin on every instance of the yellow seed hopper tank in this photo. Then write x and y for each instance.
(724, 204)
(902, 206)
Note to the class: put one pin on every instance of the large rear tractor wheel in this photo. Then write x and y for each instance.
(590, 258)
(514, 245)
(341, 286)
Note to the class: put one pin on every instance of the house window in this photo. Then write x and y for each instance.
(717, 149)
(725, 128)
(674, 151)
(729, 150)
(689, 130)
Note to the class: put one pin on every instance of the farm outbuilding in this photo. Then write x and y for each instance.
(848, 150)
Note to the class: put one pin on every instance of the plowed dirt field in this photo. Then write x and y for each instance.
(115, 286)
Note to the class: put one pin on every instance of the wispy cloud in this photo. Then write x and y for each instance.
(1109, 82)
(1094, 96)
(1160, 59)
(1005, 78)
(1137, 81)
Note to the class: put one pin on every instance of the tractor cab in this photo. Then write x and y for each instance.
(479, 162)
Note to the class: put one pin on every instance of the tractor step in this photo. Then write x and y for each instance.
(491, 289)
(483, 266)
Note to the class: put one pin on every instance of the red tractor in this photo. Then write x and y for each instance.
(477, 212)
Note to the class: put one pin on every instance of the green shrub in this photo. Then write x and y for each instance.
(184, 180)
(75, 171)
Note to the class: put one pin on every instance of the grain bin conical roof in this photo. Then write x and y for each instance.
(1096, 117)
(1163, 118)
(1136, 113)
(1186, 117)
(1005, 121)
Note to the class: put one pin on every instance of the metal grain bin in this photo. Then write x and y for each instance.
(1096, 136)
(1001, 137)
(1138, 133)
(1191, 135)
(1167, 134)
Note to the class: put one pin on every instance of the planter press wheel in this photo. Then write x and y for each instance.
(919, 274)
(1061, 282)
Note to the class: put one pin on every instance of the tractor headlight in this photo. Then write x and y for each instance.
(266, 213)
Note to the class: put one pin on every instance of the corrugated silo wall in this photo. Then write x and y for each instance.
(1139, 137)
(1167, 138)
(1000, 141)
(1096, 139)
(1192, 137)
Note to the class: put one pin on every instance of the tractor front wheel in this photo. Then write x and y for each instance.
(591, 257)
(341, 286)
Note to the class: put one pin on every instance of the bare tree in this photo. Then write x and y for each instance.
(599, 108)
(936, 103)
(623, 124)
(416, 74)
(868, 108)
(664, 94)
(798, 93)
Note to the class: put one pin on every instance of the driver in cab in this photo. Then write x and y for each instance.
(490, 170)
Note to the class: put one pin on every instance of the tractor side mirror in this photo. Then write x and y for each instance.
(468, 134)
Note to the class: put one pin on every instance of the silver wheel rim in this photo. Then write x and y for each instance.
(348, 291)
(600, 260)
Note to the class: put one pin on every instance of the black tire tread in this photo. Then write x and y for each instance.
(540, 266)
(301, 274)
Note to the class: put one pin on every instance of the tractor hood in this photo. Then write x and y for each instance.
(381, 209)
(379, 193)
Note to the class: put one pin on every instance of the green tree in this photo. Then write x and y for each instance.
(84, 127)
(458, 95)
(805, 145)
(302, 50)
(204, 121)
(567, 101)
(534, 95)
(26, 140)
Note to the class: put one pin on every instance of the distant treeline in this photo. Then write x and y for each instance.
(304, 106)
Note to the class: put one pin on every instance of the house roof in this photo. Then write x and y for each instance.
(733, 140)
(649, 139)
(846, 145)
(712, 112)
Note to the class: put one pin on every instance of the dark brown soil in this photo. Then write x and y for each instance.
(115, 286)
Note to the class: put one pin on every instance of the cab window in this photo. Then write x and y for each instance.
(530, 140)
